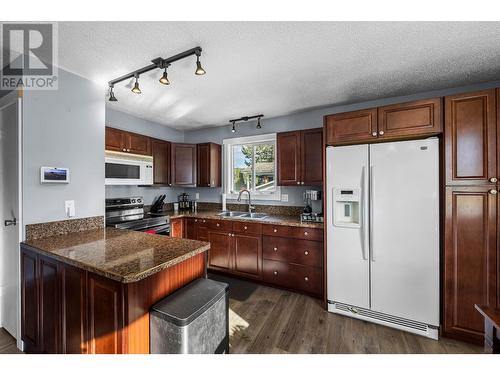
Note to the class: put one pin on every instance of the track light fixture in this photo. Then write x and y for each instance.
(112, 97)
(158, 63)
(164, 78)
(199, 70)
(246, 118)
(136, 89)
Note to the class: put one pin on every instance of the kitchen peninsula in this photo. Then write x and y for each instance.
(91, 291)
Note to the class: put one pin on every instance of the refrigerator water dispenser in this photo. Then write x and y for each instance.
(346, 211)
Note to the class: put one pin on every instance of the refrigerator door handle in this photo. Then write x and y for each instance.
(362, 228)
(372, 204)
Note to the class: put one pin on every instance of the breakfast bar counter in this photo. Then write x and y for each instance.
(91, 291)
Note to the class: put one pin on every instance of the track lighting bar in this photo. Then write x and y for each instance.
(246, 118)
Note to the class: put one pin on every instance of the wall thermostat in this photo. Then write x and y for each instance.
(54, 175)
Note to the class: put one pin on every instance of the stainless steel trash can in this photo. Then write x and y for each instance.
(194, 320)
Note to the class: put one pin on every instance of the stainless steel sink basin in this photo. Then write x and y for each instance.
(243, 215)
(253, 215)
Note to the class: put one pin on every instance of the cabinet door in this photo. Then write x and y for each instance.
(138, 144)
(418, 118)
(311, 150)
(183, 163)
(470, 138)
(219, 255)
(161, 162)
(115, 140)
(470, 260)
(177, 228)
(208, 165)
(29, 301)
(50, 302)
(191, 228)
(74, 310)
(247, 255)
(288, 158)
(105, 315)
(351, 127)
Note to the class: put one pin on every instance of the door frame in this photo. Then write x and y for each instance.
(12, 97)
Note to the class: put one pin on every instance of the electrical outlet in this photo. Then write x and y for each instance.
(197, 196)
(284, 197)
(69, 208)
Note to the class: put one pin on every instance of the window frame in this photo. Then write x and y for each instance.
(228, 166)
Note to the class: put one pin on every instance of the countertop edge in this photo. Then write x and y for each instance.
(115, 277)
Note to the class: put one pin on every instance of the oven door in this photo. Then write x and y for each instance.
(160, 229)
(124, 172)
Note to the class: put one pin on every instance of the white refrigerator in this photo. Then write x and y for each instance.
(383, 233)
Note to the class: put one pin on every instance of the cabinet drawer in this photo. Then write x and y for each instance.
(314, 234)
(309, 253)
(220, 225)
(250, 228)
(304, 278)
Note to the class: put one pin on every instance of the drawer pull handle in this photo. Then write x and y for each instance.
(275, 249)
(275, 272)
(275, 230)
(493, 179)
(246, 227)
(218, 224)
(374, 134)
(306, 252)
(195, 220)
(306, 279)
(381, 132)
(493, 191)
(306, 234)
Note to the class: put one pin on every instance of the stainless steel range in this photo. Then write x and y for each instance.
(128, 213)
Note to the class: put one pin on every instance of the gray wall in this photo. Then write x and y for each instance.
(302, 120)
(128, 122)
(64, 128)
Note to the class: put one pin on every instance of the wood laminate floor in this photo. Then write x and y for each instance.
(269, 320)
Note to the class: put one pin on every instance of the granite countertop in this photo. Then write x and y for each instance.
(118, 254)
(271, 219)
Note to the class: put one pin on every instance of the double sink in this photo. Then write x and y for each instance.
(243, 215)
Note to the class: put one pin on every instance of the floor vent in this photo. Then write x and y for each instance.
(382, 318)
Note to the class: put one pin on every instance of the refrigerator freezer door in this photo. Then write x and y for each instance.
(405, 229)
(348, 253)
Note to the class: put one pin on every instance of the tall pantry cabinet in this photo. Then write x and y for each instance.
(471, 256)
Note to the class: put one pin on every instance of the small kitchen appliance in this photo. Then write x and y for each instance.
(128, 213)
(184, 202)
(313, 210)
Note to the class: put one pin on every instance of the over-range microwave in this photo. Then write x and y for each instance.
(128, 169)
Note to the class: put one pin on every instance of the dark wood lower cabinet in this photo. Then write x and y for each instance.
(470, 257)
(220, 254)
(66, 309)
(247, 255)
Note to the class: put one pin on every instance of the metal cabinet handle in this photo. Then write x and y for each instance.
(374, 134)
(124, 150)
(8, 223)
(493, 191)
(275, 249)
(218, 224)
(306, 278)
(275, 230)
(306, 234)
(306, 252)
(245, 227)
(298, 182)
(275, 272)
(302, 183)
(493, 179)
(381, 132)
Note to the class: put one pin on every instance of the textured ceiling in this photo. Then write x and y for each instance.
(276, 68)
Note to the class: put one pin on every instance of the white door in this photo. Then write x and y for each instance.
(405, 229)
(9, 210)
(347, 254)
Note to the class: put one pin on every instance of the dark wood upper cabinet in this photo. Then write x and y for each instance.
(351, 127)
(311, 151)
(209, 165)
(123, 141)
(300, 157)
(471, 138)
(470, 259)
(183, 164)
(161, 162)
(115, 139)
(288, 158)
(421, 117)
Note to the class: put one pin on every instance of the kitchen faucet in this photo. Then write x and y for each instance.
(250, 207)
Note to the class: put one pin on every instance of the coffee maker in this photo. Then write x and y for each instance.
(313, 209)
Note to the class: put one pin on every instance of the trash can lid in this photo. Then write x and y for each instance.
(186, 304)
